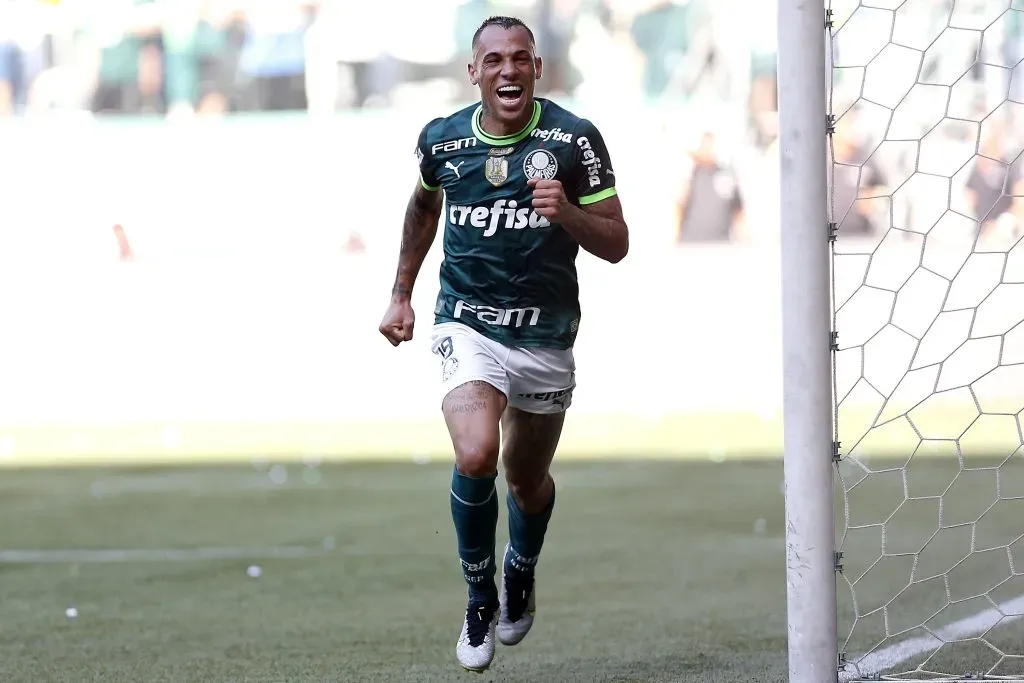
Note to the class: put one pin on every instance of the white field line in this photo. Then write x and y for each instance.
(111, 555)
(198, 482)
(891, 656)
(185, 482)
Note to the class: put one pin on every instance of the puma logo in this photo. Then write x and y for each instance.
(455, 168)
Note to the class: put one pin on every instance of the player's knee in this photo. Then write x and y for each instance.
(531, 490)
(476, 457)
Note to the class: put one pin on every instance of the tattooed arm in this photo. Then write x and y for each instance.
(418, 232)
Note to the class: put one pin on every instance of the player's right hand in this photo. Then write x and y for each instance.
(398, 322)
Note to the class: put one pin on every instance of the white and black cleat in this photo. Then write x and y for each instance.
(475, 649)
(517, 605)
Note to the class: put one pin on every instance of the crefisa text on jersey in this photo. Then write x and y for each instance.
(591, 161)
(489, 217)
(555, 135)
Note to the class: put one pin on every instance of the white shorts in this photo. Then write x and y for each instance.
(535, 380)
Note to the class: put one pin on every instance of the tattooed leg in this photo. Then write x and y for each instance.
(473, 412)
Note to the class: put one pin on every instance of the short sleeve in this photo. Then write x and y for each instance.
(593, 175)
(428, 171)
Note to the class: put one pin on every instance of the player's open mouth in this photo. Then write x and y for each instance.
(510, 94)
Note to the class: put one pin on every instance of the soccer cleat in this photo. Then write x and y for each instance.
(475, 648)
(517, 605)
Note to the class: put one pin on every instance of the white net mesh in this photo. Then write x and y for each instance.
(926, 195)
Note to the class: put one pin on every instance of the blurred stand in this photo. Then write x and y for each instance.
(684, 89)
(203, 199)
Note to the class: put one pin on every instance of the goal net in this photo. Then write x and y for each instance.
(926, 108)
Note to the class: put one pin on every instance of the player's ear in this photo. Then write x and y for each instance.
(471, 68)
(538, 66)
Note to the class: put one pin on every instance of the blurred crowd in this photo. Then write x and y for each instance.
(168, 58)
(929, 103)
(215, 56)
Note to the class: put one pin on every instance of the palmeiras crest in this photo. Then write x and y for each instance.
(540, 164)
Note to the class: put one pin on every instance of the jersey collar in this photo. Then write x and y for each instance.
(504, 140)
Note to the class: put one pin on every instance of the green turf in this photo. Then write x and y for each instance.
(931, 543)
(653, 571)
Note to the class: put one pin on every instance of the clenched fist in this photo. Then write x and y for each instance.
(549, 198)
(398, 322)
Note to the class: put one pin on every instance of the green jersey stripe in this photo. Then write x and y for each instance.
(598, 196)
(502, 140)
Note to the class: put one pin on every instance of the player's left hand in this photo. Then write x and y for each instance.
(549, 198)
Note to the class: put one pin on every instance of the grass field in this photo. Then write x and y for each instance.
(653, 571)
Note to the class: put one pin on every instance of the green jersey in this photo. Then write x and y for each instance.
(508, 272)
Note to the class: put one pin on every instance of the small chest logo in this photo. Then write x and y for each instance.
(496, 170)
(540, 164)
(455, 168)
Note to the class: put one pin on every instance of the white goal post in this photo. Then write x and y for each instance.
(901, 143)
(806, 344)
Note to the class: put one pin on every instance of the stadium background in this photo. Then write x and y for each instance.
(257, 158)
(200, 210)
(246, 317)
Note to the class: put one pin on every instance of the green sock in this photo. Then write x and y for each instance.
(475, 513)
(526, 537)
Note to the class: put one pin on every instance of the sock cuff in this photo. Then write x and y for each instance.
(472, 490)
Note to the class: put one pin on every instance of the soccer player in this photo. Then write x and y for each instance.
(525, 184)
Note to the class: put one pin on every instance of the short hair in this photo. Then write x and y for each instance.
(506, 23)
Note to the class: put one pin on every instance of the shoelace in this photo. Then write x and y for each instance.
(518, 596)
(478, 622)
